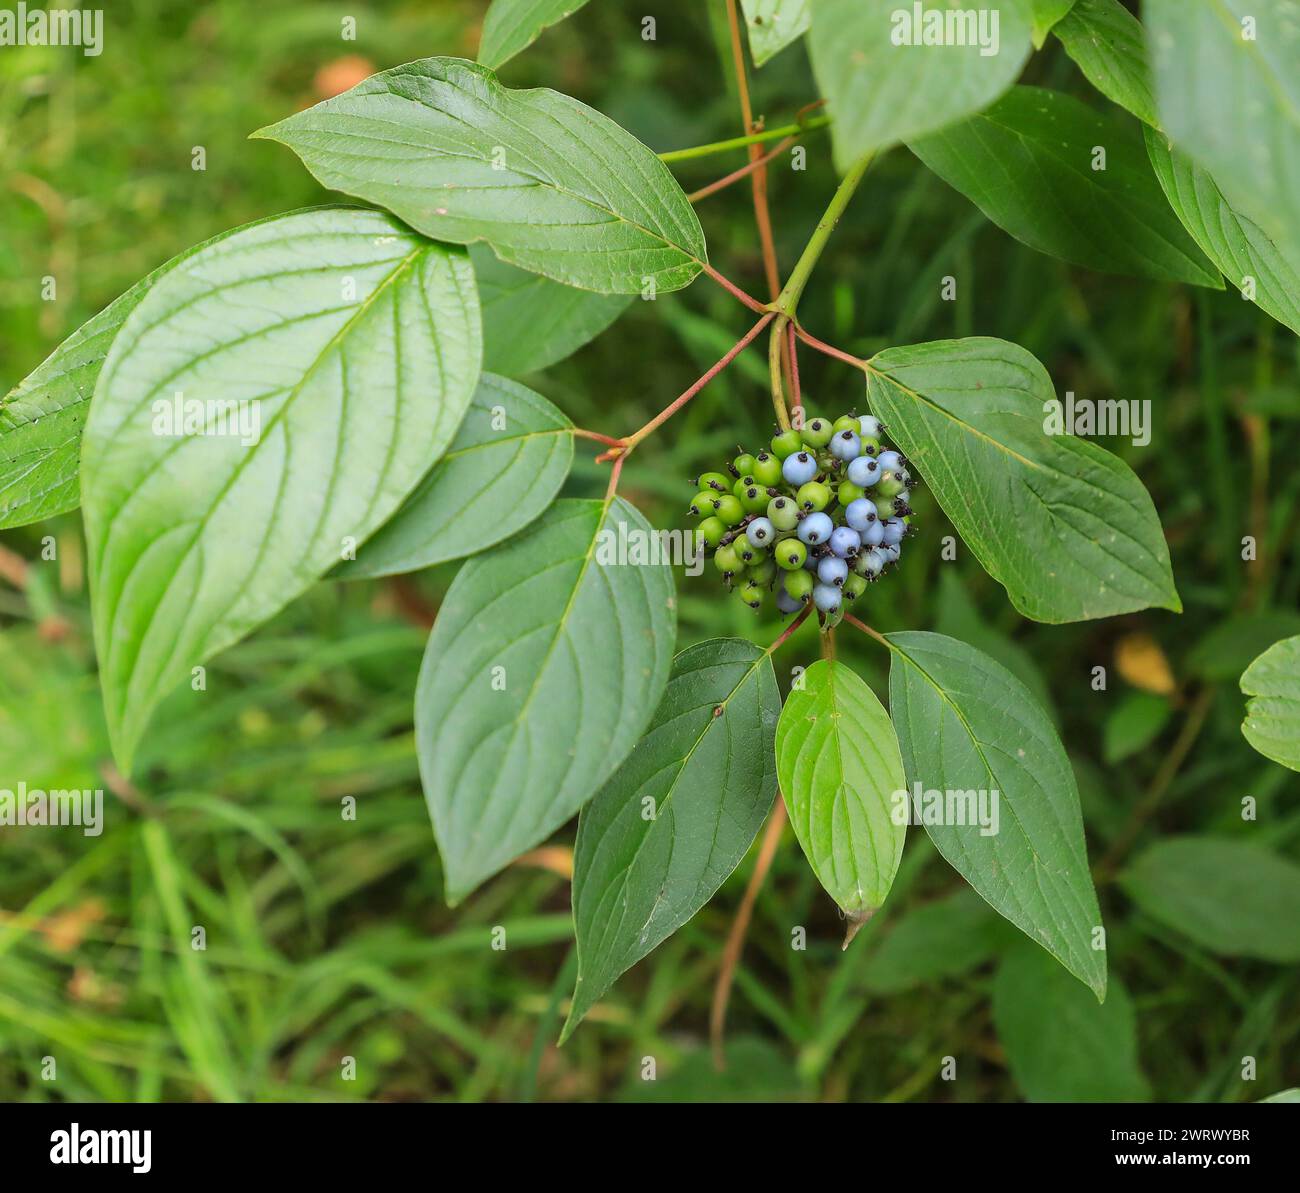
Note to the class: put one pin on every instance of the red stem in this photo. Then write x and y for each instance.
(813, 342)
(608, 440)
(737, 175)
(790, 629)
(748, 299)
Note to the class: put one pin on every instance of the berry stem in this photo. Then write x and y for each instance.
(788, 300)
(664, 415)
(790, 629)
(866, 629)
(771, 134)
(774, 370)
(737, 175)
(614, 474)
(748, 299)
(608, 440)
(792, 354)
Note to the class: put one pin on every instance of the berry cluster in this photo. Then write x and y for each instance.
(815, 518)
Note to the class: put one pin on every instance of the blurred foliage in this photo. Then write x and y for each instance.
(327, 937)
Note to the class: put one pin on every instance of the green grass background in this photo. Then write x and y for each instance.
(328, 938)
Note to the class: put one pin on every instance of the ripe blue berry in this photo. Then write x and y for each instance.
(895, 528)
(815, 528)
(832, 570)
(785, 602)
(845, 541)
(760, 532)
(799, 468)
(860, 514)
(864, 471)
(890, 461)
(826, 597)
(890, 554)
(874, 534)
(869, 426)
(870, 562)
(846, 446)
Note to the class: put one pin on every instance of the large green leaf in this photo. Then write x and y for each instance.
(354, 342)
(1230, 896)
(42, 416)
(882, 93)
(531, 322)
(1236, 244)
(1228, 93)
(1044, 14)
(1063, 1046)
(1272, 723)
(678, 816)
(547, 661)
(504, 468)
(840, 771)
(966, 724)
(513, 25)
(774, 24)
(552, 185)
(1107, 43)
(1027, 163)
(1062, 524)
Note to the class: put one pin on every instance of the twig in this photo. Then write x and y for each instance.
(837, 353)
(727, 284)
(771, 134)
(736, 175)
(608, 440)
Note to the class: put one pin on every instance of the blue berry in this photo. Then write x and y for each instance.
(785, 602)
(760, 532)
(845, 541)
(815, 528)
(864, 471)
(826, 597)
(869, 426)
(890, 461)
(846, 446)
(872, 561)
(890, 553)
(860, 514)
(895, 528)
(799, 468)
(874, 534)
(832, 570)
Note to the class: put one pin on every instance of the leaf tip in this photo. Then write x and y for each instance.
(856, 919)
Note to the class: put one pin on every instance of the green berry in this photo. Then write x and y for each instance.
(763, 572)
(714, 480)
(727, 560)
(813, 496)
(754, 499)
(750, 594)
(885, 507)
(817, 432)
(767, 469)
(705, 503)
(730, 509)
(889, 485)
(854, 586)
(743, 464)
(711, 531)
(845, 422)
(783, 513)
(786, 444)
(747, 553)
(870, 443)
(791, 555)
(848, 493)
(799, 584)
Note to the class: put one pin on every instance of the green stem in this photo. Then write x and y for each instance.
(788, 299)
(770, 134)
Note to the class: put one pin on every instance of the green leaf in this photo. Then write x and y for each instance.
(513, 25)
(552, 185)
(678, 816)
(355, 344)
(774, 24)
(504, 468)
(1107, 43)
(1232, 897)
(547, 661)
(1027, 164)
(1133, 724)
(1231, 646)
(1228, 93)
(531, 322)
(840, 771)
(1063, 1046)
(885, 87)
(966, 724)
(943, 939)
(1044, 14)
(1062, 524)
(1237, 245)
(1272, 723)
(1286, 1095)
(42, 416)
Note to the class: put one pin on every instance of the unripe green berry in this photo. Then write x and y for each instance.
(845, 422)
(854, 586)
(799, 584)
(727, 559)
(783, 513)
(747, 552)
(743, 464)
(715, 481)
(813, 496)
(889, 485)
(848, 493)
(791, 555)
(786, 444)
(870, 444)
(767, 469)
(705, 503)
(817, 432)
(763, 572)
(754, 499)
(750, 594)
(885, 507)
(711, 531)
(730, 509)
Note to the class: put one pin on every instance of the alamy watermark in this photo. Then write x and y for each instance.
(630, 545)
(964, 808)
(1084, 417)
(30, 807)
(180, 417)
(922, 26)
(82, 27)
